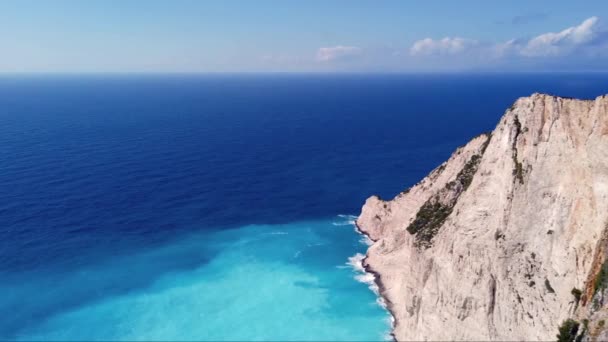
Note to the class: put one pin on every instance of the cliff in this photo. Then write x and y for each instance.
(508, 238)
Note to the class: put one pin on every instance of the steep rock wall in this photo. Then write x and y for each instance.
(491, 244)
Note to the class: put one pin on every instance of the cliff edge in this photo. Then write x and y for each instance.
(507, 240)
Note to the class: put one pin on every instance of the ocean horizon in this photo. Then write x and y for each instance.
(219, 206)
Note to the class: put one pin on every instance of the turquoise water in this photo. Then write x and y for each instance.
(203, 207)
(264, 282)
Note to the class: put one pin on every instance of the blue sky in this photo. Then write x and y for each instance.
(302, 36)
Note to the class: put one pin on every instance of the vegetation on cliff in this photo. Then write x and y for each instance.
(568, 331)
(433, 213)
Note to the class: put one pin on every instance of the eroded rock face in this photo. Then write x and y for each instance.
(490, 245)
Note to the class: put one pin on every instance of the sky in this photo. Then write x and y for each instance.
(75, 36)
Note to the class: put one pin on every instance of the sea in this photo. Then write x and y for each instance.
(142, 207)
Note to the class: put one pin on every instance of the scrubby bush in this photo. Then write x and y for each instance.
(577, 294)
(433, 213)
(568, 331)
(601, 281)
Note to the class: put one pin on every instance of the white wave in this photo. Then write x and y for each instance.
(370, 280)
(356, 262)
(366, 240)
(278, 233)
(380, 301)
(346, 220)
(391, 322)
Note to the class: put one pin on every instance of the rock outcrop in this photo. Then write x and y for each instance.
(508, 238)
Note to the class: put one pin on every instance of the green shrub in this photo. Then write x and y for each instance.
(518, 169)
(432, 214)
(578, 294)
(429, 219)
(601, 281)
(568, 331)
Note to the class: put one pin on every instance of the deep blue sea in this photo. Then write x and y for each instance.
(217, 207)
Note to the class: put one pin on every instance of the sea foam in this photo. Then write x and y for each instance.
(368, 278)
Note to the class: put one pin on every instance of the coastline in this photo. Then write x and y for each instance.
(465, 251)
(387, 304)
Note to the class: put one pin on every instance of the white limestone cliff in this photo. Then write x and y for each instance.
(491, 244)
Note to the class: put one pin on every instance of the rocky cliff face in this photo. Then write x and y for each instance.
(508, 238)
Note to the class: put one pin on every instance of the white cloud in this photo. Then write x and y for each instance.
(581, 39)
(551, 44)
(328, 54)
(445, 46)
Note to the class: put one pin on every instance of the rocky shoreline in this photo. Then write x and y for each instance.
(388, 305)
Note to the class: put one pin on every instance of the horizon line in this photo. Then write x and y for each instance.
(388, 73)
